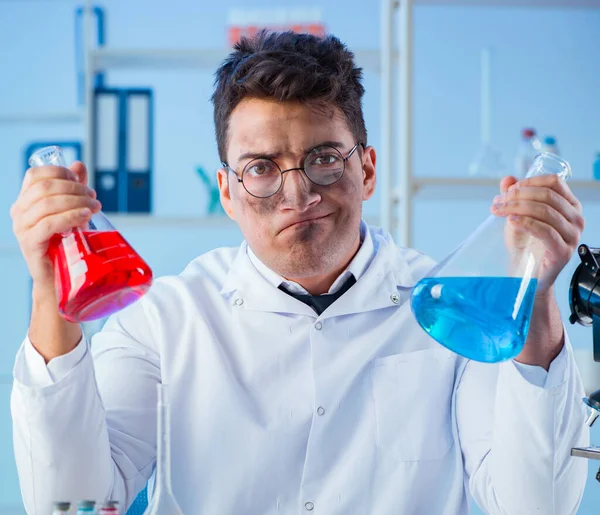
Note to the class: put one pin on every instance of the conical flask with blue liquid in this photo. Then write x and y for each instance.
(478, 301)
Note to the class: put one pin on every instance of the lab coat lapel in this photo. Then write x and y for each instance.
(377, 288)
(247, 289)
(384, 284)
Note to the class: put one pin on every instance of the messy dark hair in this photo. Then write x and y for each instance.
(318, 71)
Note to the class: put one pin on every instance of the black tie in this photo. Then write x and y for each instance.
(321, 302)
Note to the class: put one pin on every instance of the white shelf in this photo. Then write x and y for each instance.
(585, 4)
(485, 188)
(124, 220)
(115, 58)
(210, 59)
(74, 116)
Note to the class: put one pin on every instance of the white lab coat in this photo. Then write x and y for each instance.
(276, 410)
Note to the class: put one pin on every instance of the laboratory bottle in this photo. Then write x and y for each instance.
(529, 147)
(478, 301)
(597, 167)
(163, 501)
(61, 508)
(550, 145)
(85, 507)
(96, 271)
(109, 507)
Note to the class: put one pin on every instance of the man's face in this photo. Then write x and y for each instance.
(304, 230)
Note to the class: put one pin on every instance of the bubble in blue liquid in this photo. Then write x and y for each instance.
(482, 318)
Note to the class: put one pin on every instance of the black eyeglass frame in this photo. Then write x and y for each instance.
(302, 169)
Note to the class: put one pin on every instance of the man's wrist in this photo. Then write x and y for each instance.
(546, 336)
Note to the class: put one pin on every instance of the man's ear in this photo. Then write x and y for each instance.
(224, 192)
(369, 160)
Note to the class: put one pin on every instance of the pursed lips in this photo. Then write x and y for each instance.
(305, 220)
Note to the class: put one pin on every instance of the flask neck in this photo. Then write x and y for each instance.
(547, 163)
(163, 447)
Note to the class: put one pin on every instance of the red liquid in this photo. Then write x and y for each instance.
(96, 274)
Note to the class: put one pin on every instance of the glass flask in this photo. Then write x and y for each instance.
(86, 507)
(163, 501)
(478, 301)
(110, 508)
(487, 163)
(96, 271)
(61, 508)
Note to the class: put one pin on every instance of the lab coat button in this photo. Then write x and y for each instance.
(309, 506)
(395, 298)
(239, 302)
(321, 411)
(318, 326)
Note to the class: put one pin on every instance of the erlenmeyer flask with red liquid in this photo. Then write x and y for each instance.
(96, 271)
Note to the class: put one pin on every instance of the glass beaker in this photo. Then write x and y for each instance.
(109, 507)
(86, 507)
(163, 501)
(96, 271)
(61, 508)
(477, 302)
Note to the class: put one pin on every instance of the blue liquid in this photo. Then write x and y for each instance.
(480, 318)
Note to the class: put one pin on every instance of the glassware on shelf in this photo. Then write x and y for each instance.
(109, 507)
(488, 161)
(86, 507)
(529, 147)
(61, 508)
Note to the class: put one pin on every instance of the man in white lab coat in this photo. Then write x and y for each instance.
(299, 380)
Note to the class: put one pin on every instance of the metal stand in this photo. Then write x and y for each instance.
(584, 300)
(591, 453)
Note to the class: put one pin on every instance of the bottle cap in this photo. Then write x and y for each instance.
(63, 506)
(110, 504)
(550, 140)
(86, 505)
(528, 133)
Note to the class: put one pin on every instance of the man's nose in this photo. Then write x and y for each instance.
(298, 192)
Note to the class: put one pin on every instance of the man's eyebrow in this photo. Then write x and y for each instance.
(336, 144)
(256, 155)
(277, 154)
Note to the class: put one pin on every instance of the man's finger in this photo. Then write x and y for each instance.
(58, 223)
(40, 173)
(49, 188)
(552, 181)
(528, 210)
(546, 196)
(54, 205)
(551, 238)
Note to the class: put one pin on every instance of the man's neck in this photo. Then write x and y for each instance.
(319, 284)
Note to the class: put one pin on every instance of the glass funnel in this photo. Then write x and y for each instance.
(478, 301)
(163, 501)
(96, 272)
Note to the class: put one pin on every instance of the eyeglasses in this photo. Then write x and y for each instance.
(323, 165)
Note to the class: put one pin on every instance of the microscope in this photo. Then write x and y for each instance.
(584, 301)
